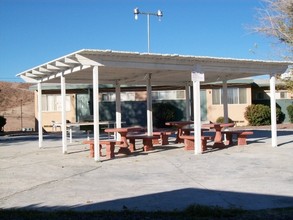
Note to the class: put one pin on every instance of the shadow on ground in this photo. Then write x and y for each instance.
(180, 200)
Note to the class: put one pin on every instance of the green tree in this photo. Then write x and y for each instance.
(163, 112)
(261, 115)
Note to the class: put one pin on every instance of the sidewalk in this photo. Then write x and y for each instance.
(255, 176)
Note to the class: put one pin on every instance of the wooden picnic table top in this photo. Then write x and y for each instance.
(179, 123)
(125, 129)
(218, 125)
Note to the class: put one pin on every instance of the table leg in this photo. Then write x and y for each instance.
(218, 142)
(179, 132)
(124, 139)
(132, 145)
(147, 144)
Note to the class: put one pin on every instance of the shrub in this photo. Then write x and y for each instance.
(280, 116)
(163, 112)
(222, 120)
(261, 115)
(2, 123)
(290, 112)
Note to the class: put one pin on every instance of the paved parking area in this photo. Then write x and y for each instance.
(255, 176)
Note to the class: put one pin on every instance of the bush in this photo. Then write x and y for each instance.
(290, 112)
(280, 116)
(261, 115)
(163, 112)
(2, 123)
(222, 120)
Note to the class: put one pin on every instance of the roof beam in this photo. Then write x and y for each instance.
(62, 64)
(70, 60)
(36, 72)
(87, 61)
(54, 68)
(66, 72)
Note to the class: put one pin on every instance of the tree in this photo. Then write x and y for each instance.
(276, 20)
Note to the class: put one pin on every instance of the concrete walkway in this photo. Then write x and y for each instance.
(255, 176)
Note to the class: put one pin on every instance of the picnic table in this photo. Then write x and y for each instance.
(179, 125)
(123, 133)
(218, 141)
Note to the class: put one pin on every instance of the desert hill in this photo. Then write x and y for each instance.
(17, 105)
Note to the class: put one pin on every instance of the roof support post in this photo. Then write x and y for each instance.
(273, 110)
(197, 77)
(40, 118)
(96, 113)
(63, 114)
(225, 101)
(187, 101)
(118, 107)
(196, 117)
(149, 106)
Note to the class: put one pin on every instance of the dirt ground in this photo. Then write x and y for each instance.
(17, 106)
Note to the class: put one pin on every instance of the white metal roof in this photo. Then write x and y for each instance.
(130, 68)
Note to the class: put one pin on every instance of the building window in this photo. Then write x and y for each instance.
(283, 95)
(134, 96)
(128, 96)
(216, 96)
(108, 97)
(111, 97)
(53, 103)
(234, 96)
(168, 95)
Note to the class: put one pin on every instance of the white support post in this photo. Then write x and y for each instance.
(40, 118)
(63, 114)
(118, 108)
(149, 106)
(187, 101)
(96, 113)
(273, 110)
(225, 101)
(196, 116)
(197, 76)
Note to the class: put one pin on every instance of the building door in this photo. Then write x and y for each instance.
(203, 105)
(83, 107)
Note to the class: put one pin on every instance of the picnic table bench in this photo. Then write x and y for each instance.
(189, 142)
(163, 136)
(241, 136)
(146, 140)
(110, 147)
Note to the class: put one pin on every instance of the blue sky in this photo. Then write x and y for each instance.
(33, 32)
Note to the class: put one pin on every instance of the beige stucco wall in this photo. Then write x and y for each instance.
(47, 117)
(235, 111)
